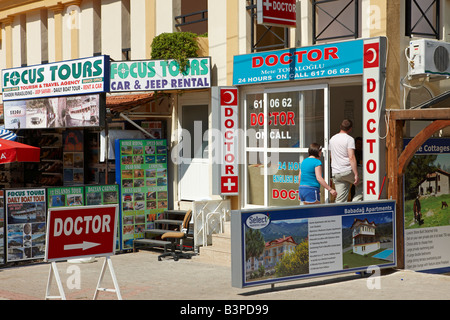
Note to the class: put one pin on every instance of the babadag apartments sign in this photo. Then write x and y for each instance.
(73, 77)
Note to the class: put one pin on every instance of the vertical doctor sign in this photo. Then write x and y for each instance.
(229, 176)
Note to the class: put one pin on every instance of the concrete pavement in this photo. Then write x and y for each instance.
(142, 277)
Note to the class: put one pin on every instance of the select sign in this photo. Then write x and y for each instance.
(81, 232)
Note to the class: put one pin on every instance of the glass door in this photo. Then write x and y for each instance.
(280, 125)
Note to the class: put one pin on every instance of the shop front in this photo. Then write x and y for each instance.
(291, 98)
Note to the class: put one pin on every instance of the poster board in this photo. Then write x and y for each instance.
(103, 195)
(65, 197)
(286, 244)
(141, 173)
(26, 211)
(426, 199)
(2, 227)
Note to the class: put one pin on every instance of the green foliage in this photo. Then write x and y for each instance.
(294, 263)
(179, 46)
(417, 170)
(254, 243)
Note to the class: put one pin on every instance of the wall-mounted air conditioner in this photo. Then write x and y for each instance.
(428, 57)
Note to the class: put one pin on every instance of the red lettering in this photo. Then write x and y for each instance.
(371, 142)
(314, 52)
(371, 166)
(228, 112)
(281, 118)
(371, 105)
(291, 121)
(229, 146)
(292, 194)
(275, 194)
(283, 58)
(371, 85)
(257, 62)
(369, 128)
(229, 158)
(228, 135)
(299, 55)
(274, 59)
(331, 52)
(229, 170)
(229, 123)
(371, 187)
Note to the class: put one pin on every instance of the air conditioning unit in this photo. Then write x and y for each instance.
(429, 57)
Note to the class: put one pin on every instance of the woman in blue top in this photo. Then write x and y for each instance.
(310, 177)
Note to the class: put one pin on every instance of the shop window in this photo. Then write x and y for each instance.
(291, 120)
(195, 122)
(193, 17)
(336, 20)
(422, 18)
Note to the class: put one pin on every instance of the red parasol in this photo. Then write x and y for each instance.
(11, 151)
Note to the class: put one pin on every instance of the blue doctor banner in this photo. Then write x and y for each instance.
(320, 61)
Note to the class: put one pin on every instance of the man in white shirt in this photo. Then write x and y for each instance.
(343, 163)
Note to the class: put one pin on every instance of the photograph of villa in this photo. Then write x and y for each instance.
(277, 250)
(364, 237)
(273, 252)
(367, 239)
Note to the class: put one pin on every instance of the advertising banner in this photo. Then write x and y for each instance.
(320, 61)
(284, 244)
(65, 197)
(73, 77)
(98, 195)
(427, 196)
(57, 112)
(81, 232)
(141, 171)
(2, 227)
(25, 224)
(159, 75)
(280, 13)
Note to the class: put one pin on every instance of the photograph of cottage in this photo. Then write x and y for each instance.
(427, 191)
(367, 239)
(364, 238)
(278, 250)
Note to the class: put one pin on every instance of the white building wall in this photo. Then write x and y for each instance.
(17, 42)
(112, 29)
(217, 37)
(86, 29)
(33, 39)
(138, 30)
(165, 19)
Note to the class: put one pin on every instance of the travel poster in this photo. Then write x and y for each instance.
(103, 195)
(426, 200)
(141, 172)
(284, 244)
(65, 197)
(2, 227)
(25, 224)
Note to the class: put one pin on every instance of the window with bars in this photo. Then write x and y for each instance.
(335, 19)
(422, 18)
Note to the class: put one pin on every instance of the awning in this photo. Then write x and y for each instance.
(7, 135)
(123, 102)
